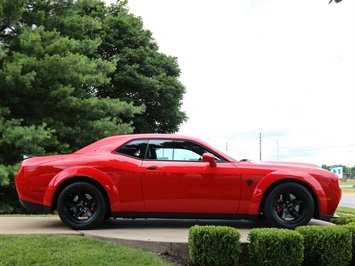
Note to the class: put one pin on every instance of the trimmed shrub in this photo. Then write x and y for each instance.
(214, 245)
(351, 228)
(326, 245)
(275, 247)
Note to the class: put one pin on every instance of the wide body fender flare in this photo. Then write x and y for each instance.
(87, 172)
(283, 175)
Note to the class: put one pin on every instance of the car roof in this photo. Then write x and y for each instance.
(109, 144)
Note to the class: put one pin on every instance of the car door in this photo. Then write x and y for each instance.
(176, 180)
(127, 164)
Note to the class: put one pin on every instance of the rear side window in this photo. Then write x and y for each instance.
(135, 148)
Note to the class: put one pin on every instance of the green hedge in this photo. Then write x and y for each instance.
(214, 245)
(326, 245)
(275, 247)
(307, 246)
(351, 228)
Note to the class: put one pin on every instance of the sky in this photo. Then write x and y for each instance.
(283, 70)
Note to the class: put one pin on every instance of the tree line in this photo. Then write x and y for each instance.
(74, 71)
(348, 172)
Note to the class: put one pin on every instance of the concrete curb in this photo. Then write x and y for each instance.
(172, 248)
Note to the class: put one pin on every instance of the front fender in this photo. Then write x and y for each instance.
(88, 172)
(284, 175)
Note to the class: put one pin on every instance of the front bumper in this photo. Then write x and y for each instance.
(327, 217)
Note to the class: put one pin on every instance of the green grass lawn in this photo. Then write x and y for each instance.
(70, 250)
(345, 211)
(348, 185)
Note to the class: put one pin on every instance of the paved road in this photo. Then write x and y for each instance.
(347, 200)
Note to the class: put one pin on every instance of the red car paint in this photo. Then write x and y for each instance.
(208, 184)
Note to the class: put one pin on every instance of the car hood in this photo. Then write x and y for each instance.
(285, 167)
(289, 164)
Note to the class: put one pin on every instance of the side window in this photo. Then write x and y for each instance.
(175, 150)
(135, 148)
(176, 154)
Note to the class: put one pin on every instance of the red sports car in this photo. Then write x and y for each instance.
(170, 176)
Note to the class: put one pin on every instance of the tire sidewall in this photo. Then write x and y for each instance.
(295, 189)
(100, 206)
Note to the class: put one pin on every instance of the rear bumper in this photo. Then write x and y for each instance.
(35, 207)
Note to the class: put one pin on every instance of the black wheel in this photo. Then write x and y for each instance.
(81, 206)
(289, 205)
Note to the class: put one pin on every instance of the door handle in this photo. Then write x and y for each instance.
(152, 168)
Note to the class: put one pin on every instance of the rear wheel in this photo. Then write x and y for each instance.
(289, 205)
(81, 206)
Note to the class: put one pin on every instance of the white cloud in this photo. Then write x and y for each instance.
(282, 68)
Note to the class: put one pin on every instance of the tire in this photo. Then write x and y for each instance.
(81, 206)
(289, 205)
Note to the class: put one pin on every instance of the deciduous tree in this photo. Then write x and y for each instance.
(143, 74)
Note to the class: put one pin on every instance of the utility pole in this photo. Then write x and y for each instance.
(277, 144)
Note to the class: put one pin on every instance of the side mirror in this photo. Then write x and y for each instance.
(208, 157)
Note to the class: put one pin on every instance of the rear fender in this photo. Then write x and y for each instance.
(283, 175)
(88, 172)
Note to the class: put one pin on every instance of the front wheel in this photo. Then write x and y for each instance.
(289, 205)
(81, 206)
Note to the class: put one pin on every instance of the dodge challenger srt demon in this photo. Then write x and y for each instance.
(171, 176)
